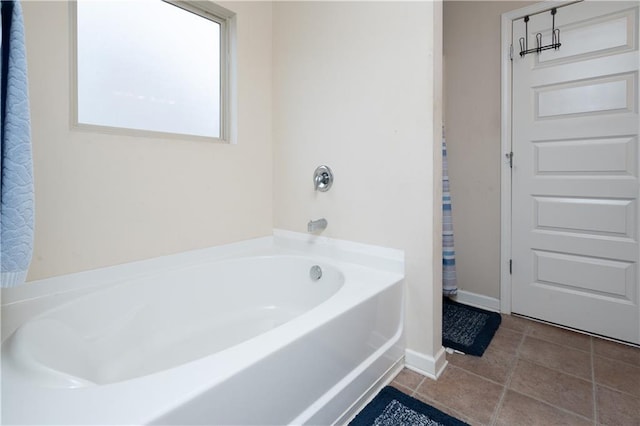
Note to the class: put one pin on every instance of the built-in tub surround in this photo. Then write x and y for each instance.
(198, 337)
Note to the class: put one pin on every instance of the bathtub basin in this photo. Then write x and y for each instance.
(231, 335)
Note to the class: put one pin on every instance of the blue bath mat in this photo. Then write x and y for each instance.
(467, 329)
(394, 408)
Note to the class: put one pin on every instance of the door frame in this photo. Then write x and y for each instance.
(509, 51)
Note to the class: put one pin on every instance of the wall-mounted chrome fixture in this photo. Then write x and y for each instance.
(317, 225)
(322, 179)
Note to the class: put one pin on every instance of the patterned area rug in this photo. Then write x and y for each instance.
(394, 408)
(467, 329)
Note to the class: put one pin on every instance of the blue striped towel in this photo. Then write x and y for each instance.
(449, 279)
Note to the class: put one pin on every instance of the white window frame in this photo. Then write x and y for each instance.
(207, 10)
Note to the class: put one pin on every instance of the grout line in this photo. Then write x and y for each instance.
(587, 351)
(547, 340)
(619, 391)
(594, 387)
(507, 382)
(415, 391)
(402, 388)
(630, 364)
(548, 367)
(475, 374)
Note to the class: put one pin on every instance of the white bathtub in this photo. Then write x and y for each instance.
(231, 335)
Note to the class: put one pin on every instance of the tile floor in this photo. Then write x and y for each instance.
(536, 374)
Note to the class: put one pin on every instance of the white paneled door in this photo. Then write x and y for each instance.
(575, 185)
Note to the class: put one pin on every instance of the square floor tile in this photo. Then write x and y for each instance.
(553, 387)
(617, 351)
(616, 408)
(561, 358)
(618, 375)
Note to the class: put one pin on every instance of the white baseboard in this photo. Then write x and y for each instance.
(478, 300)
(426, 365)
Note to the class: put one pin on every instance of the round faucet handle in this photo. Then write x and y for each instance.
(322, 179)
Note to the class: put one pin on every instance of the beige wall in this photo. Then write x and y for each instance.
(355, 85)
(357, 89)
(472, 110)
(103, 199)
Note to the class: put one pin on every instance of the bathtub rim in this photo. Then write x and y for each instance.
(372, 256)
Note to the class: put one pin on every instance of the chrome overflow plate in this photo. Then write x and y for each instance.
(322, 179)
(315, 272)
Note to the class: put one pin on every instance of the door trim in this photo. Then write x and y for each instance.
(505, 141)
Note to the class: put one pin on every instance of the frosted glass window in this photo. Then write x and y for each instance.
(148, 65)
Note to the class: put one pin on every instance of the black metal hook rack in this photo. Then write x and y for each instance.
(555, 37)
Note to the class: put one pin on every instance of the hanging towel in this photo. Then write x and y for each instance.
(16, 168)
(449, 279)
